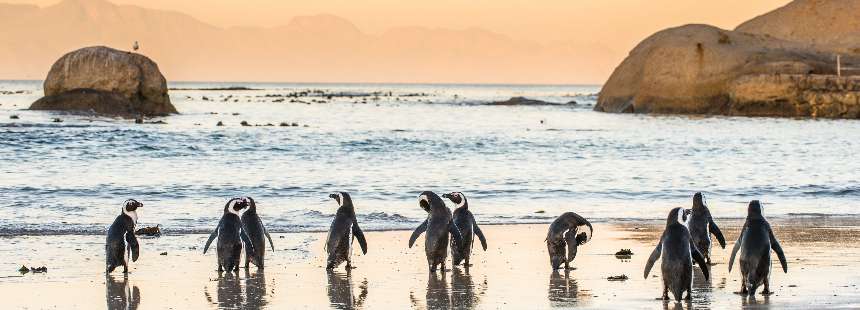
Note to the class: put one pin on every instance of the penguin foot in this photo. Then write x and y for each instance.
(569, 268)
(766, 293)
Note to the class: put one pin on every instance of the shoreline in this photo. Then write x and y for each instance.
(513, 273)
(842, 219)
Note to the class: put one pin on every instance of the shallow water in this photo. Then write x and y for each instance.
(387, 143)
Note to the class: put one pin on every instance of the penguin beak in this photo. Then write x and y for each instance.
(335, 197)
(446, 196)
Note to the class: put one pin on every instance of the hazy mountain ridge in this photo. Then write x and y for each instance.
(323, 48)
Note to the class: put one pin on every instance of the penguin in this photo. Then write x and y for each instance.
(257, 234)
(121, 241)
(230, 233)
(702, 226)
(563, 238)
(438, 225)
(343, 229)
(465, 222)
(755, 242)
(678, 252)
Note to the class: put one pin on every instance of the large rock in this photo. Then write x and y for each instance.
(700, 69)
(106, 81)
(824, 24)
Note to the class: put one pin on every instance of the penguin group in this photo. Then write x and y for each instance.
(686, 239)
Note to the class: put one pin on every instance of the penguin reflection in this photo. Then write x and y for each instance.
(463, 290)
(255, 290)
(120, 295)
(229, 291)
(340, 293)
(438, 296)
(563, 290)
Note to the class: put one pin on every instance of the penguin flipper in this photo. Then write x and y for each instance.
(653, 258)
(359, 235)
(716, 232)
(417, 233)
(774, 244)
(212, 236)
(243, 233)
(455, 231)
(266, 232)
(700, 259)
(736, 247)
(133, 246)
(480, 236)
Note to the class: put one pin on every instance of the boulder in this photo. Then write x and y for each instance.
(823, 24)
(701, 69)
(106, 81)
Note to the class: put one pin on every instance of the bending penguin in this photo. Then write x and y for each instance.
(702, 226)
(438, 225)
(121, 241)
(343, 229)
(465, 222)
(755, 242)
(257, 235)
(230, 233)
(564, 237)
(678, 252)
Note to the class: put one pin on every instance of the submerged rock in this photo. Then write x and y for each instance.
(103, 80)
(521, 101)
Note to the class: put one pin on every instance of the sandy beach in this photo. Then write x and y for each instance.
(513, 273)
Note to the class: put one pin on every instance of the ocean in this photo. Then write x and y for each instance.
(386, 143)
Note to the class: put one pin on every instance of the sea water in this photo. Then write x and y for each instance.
(386, 143)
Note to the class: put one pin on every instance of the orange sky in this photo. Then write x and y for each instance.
(613, 27)
(617, 22)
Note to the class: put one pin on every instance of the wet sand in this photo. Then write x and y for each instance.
(513, 273)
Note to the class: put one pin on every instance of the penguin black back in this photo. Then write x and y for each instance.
(702, 225)
(468, 227)
(230, 233)
(755, 242)
(344, 227)
(257, 235)
(563, 238)
(678, 252)
(121, 241)
(438, 225)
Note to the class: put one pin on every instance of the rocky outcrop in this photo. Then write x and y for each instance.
(700, 69)
(523, 101)
(795, 96)
(106, 81)
(823, 24)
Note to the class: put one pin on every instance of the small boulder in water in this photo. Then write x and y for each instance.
(13, 116)
(520, 101)
(244, 123)
(149, 231)
(57, 120)
(220, 123)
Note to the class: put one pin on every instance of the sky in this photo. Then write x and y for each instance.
(613, 27)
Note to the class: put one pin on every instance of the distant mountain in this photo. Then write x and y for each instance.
(319, 48)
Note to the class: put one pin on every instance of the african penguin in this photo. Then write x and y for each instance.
(121, 241)
(257, 234)
(438, 225)
(343, 229)
(564, 237)
(230, 232)
(755, 242)
(678, 252)
(702, 226)
(465, 222)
